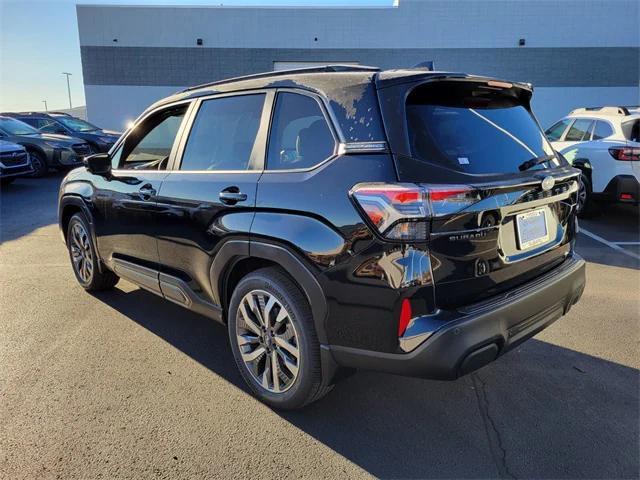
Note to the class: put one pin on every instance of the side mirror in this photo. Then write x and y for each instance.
(99, 164)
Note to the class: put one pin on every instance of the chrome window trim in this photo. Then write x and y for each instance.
(144, 116)
(326, 113)
(266, 112)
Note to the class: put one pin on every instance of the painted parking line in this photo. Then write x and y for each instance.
(609, 244)
(626, 243)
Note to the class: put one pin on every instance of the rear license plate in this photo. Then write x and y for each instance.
(532, 229)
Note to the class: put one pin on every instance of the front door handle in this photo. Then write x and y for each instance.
(231, 197)
(147, 191)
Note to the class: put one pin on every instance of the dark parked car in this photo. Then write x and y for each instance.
(45, 150)
(64, 124)
(338, 218)
(14, 162)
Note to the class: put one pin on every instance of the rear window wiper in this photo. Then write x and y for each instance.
(535, 161)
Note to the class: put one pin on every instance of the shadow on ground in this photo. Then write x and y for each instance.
(28, 204)
(541, 411)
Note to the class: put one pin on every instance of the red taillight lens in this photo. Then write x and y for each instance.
(629, 154)
(626, 196)
(451, 199)
(399, 211)
(405, 317)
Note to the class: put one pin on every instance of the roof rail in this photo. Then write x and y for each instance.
(609, 110)
(278, 73)
(55, 112)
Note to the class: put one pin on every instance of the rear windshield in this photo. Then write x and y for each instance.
(475, 129)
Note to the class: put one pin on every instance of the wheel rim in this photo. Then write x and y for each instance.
(81, 253)
(268, 341)
(36, 162)
(582, 195)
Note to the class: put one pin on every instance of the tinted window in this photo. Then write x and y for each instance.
(602, 130)
(76, 124)
(149, 145)
(579, 130)
(483, 132)
(555, 132)
(300, 136)
(223, 134)
(631, 130)
(11, 126)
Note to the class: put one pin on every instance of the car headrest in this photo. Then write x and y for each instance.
(311, 141)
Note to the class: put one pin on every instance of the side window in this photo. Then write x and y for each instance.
(631, 130)
(300, 136)
(224, 133)
(602, 130)
(148, 147)
(579, 130)
(555, 132)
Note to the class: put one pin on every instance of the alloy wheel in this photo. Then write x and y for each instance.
(582, 195)
(268, 341)
(81, 254)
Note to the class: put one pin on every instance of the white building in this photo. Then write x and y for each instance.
(575, 52)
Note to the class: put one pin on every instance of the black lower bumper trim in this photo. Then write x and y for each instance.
(483, 333)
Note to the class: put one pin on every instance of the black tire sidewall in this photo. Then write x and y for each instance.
(587, 208)
(40, 165)
(306, 383)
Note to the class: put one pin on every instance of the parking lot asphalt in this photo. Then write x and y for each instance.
(125, 385)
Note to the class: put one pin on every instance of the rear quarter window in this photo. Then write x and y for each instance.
(631, 130)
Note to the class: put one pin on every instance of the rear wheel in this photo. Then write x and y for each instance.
(273, 340)
(85, 262)
(39, 163)
(585, 207)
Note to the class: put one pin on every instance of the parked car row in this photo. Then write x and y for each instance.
(604, 143)
(55, 140)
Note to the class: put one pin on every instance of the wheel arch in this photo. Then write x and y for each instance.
(584, 164)
(236, 258)
(69, 206)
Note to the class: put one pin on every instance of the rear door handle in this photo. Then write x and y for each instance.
(231, 198)
(147, 191)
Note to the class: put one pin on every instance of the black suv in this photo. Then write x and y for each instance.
(338, 218)
(64, 124)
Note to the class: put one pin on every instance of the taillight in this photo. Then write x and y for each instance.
(405, 317)
(630, 154)
(400, 211)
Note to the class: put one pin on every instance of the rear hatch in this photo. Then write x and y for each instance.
(500, 200)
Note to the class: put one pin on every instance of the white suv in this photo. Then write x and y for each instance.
(603, 142)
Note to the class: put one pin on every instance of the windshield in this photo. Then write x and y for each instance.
(474, 131)
(76, 124)
(16, 127)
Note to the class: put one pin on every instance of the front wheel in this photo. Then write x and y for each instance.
(273, 340)
(84, 260)
(39, 164)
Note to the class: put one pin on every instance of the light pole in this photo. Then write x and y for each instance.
(46, 109)
(68, 87)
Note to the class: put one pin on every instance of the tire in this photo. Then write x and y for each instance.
(300, 380)
(39, 163)
(585, 207)
(91, 275)
(6, 181)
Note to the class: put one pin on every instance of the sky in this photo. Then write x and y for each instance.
(39, 41)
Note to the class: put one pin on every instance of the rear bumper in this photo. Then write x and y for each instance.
(623, 189)
(483, 332)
